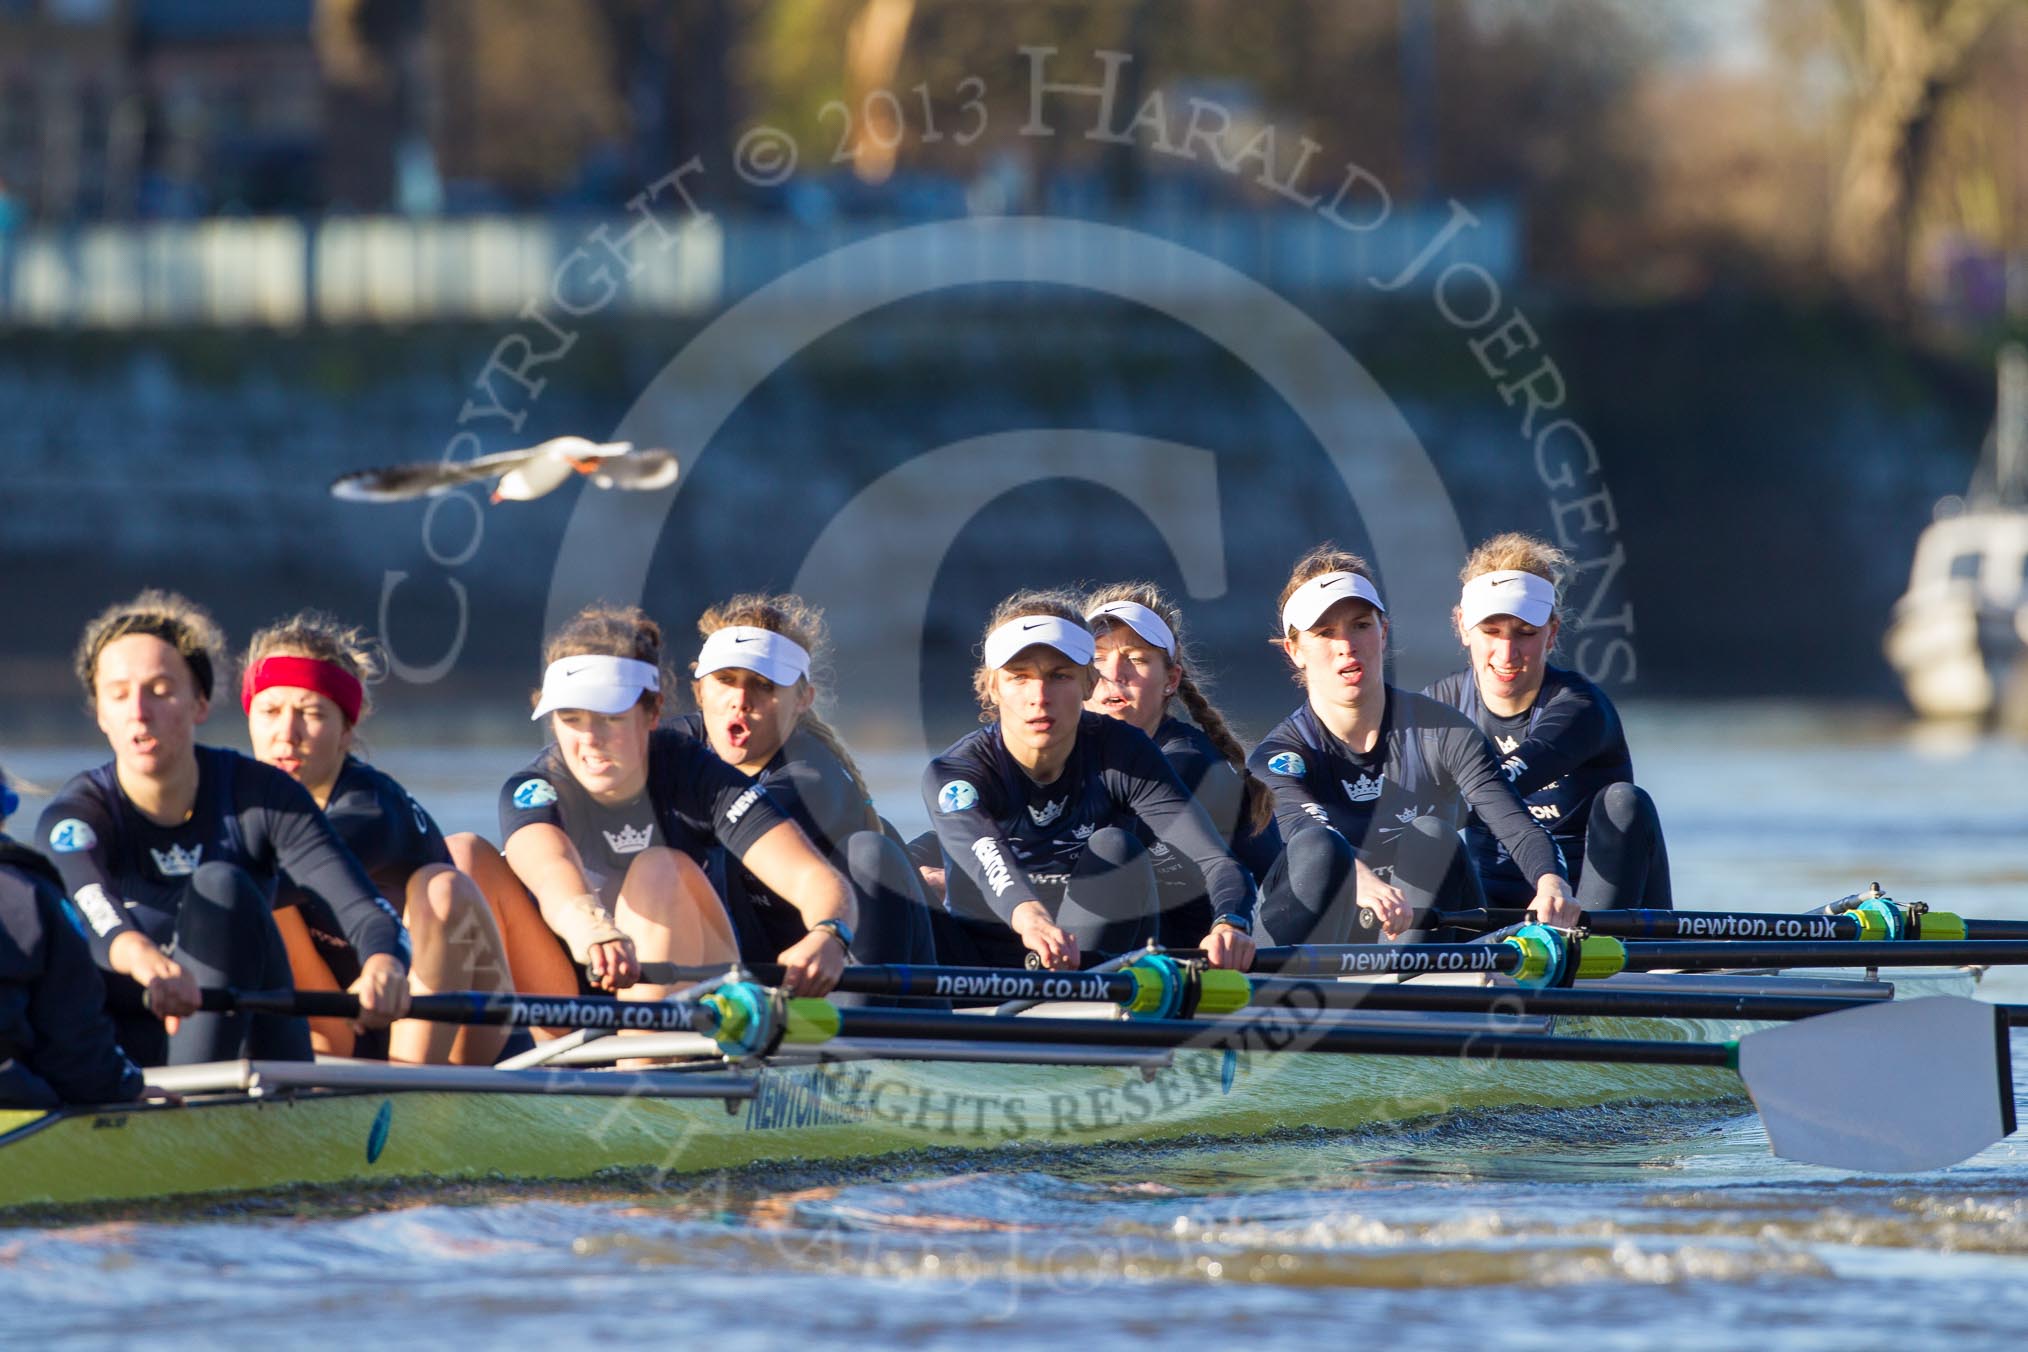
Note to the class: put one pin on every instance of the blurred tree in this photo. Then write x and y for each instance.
(1910, 56)
(371, 104)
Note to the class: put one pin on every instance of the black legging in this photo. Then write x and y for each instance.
(1311, 896)
(1307, 897)
(225, 935)
(894, 920)
(1626, 861)
(1109, 907)
(1433, 872)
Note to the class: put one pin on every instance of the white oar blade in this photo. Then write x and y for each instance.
(1897, 1087)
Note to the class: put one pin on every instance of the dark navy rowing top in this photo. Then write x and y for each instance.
(692, 802)
(1558, 755)
(1008, 840)
(813, 789)
(126, 873)
(57, 1044)
(1221, 792)
(1428, 761)
(390, 835)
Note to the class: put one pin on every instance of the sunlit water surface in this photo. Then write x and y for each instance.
(1601, 1228)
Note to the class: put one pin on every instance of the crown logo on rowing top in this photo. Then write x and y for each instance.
(1406, 815)
(177, 862)
(630, 839)
(1364, 789)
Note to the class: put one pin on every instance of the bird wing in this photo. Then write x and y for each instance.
(639, 472)
(526, 473)
(424, 478)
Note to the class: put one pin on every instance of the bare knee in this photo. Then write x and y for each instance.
(440, 898)
(658, 881)
(471, 853)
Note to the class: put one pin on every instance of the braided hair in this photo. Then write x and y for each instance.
(1257, 800)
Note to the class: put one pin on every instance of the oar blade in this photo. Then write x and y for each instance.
(1898, 1087)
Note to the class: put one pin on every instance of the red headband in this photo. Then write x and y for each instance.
(307, 673)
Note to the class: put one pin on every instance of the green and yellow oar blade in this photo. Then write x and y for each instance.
(1898, 1087)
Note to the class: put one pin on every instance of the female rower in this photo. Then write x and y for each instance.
(172, 852)
(755, 690)
(56, 1043)
(304, 692)
(1388, 772)
(1143, 663)
(1038, 811)
(603, 832)
(1558, 736)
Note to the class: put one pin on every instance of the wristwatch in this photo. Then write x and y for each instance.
(839, 930)
(1242, 923)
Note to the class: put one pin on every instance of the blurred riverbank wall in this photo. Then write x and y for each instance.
(1742, 480)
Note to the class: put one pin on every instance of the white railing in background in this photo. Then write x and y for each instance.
(284, 273)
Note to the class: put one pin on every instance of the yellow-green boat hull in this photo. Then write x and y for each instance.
(852, 1110)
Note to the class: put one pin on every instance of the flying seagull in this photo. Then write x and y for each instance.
(522, 474)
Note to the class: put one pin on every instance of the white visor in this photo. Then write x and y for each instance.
(1526, 597)
(604, 685)
(1320, 593)
(776, 656)
(1140, 619)
(1007, 642)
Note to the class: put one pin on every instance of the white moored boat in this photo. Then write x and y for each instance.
(1959, 632)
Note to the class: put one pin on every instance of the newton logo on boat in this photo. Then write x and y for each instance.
(535, 793)
(70, 836)
(957, 796)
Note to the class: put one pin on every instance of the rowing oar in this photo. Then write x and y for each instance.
(488, 1008)
(1894, 1087)
(1535, 955)
(1144, 989)
(1875, 919)
(1598, 959)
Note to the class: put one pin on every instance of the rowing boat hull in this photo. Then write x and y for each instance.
(813, 1112)
(849, 1110)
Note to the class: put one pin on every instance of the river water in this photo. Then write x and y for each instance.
(1601, 1228)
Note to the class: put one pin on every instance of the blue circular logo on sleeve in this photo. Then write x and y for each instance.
(957, 796)
(1287, 763)
(70, 836)
(535, 793)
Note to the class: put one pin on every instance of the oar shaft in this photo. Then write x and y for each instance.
(1756, 925)
(937, 982)
(1390, 995)
(1652, 924)
(484, 1007)
(1277, 1031)
(1386, 959)
(1690, 953)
